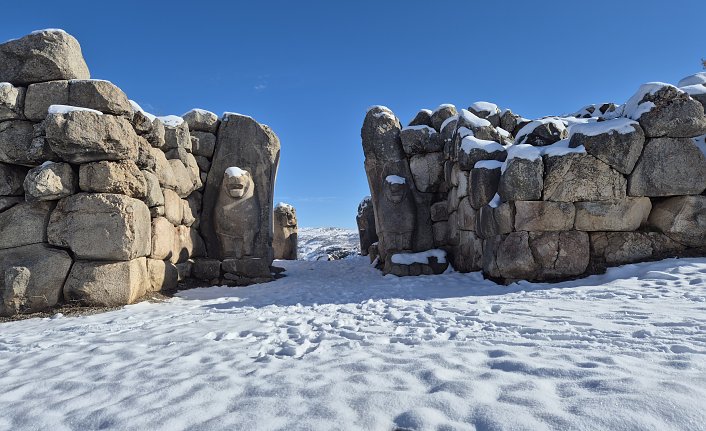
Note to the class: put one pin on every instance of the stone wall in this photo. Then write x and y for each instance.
(552, 198)
(101, 202)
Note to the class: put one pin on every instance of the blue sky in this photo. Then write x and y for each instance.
(311, 69)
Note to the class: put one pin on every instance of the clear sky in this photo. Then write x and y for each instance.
(311, 69)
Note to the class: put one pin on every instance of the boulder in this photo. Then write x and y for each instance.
(82, 136)
(142, 123)
(542, 132)
(203, 163)
(153, 192)
(669, 167)
(439, 212)
(177, 136)
(42, 95)
(441, 114)
(31, 278)
(107, 284)
(559, 254)
(204, 145)
(201, 120)
(122, 177)
(509, 120)
(173, 209)
(488, 111)
(44, 55)
(420, 139)
(156, 137)
(682, 218)
(495, 221)
(467, 256)
(626, 214)
(423, 118)
(163, 170)
(24, 223)
(12, 101)
(188, 216)
(145, 157)
(522, 180)
(11, 179)
(16, 142)
(482, 186)
(664, 110)
(191, 243)
(194, 203)
(454, 236)
(163, 275)
(101, 226)
(163, 238)
(466, 215)
(252, 267)
(184, 183)
(206, 269)
(576, 177)
(427, 171)
(50, 182)
(472, 150)
(617, 142)
(544, 216)
(380, 135)
(440, 231)
(103, 96)
(510, 257)
(365, 219)
(620, 248)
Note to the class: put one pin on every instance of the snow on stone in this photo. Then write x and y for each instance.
(504, 133)
(443, 106)
(529, 127)
(470, 142)
(635, 107)
(395, 179)
(65, 109)
(327, 243)
(474, 120)
(695, 79)
(495, 202)
(428, 111)
(620, 126)
(6, 85)
(235, 171)
(485, 107)
(694, 89)
(488, 164)
(172, 120)
(137, 108)
(448, 121)
(198, 111)
(47, 163)
(420, 257)
(226, 114)
(464, 131)
(561, 148)
(523, 151)
(337, 345)
(49, 30)
(284, 205)
(421, 127)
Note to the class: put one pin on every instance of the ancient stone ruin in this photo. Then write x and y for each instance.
(102, 203)
(557, 197)
(284, 242)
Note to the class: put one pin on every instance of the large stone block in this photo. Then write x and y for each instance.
(100, 95)
(11, 180)
(101, 226)
(173, 208)
(204, 145)
(682, 218)
(51, 181)
(365, 219)
(107, 284)
(163, 170)
(163, 238)
(85, 136)
(560, 254)
(42, 56)
(522, 180)
(482, 186)
(153, 192)
(177, 136)
(16, 143)
(12, 101)
(163, 275)
(467, 256)
(495, 221)
(466, 215)
(617, 142)
(513, 257)
(206, 269)
(201, 120)
(441, 114)
(579, 177)
(24, 223)
(31, 278)
(7, 202)
(669, 167)
(614, 215)
(190, 243)
(42, 95)
(672, 113)
(420, 139)
(427, 171)
(439, 211)
(542, 216)
(122, 177)
(184, 183)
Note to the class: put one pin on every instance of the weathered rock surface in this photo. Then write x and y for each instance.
(579, 177)
(284, 241)
(24, 223)
(184, 183)
(205, 144)
(154, 196)
(441, 114)
(163, 238)
(122, 177)
(483, 185)
(201, 120)
(42, 95)
(423, 118)
(173, 209)
(101, 226)
(42, 56)
(31, 278)
(107, 284)
(522, 180)
(495, 221)
(12, 101)
(11, 179)
(50, 182)
(542, 216)
(7, 202)
(420, 139)
(673, 114)
(206, 269)
(84, 136)
(466, 215)
(669, 167)
(439, 212)
(560, 254)
(16, 143)
(542, 132)
(618, 148)
(468, 255)
(613, 215)
(682, 218)
(177, 137)
(100, 95)
(163, 275)
(163, 170)
(428, 171)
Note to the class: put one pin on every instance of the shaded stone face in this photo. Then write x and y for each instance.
(236, 216)
(395, 193)
(237, 186)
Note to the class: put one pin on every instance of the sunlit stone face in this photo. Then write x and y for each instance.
(238, 186)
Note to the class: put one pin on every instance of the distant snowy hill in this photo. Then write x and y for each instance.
(327, 243)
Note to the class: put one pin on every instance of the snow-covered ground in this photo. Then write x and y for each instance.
(337, 346)
(324, 243)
